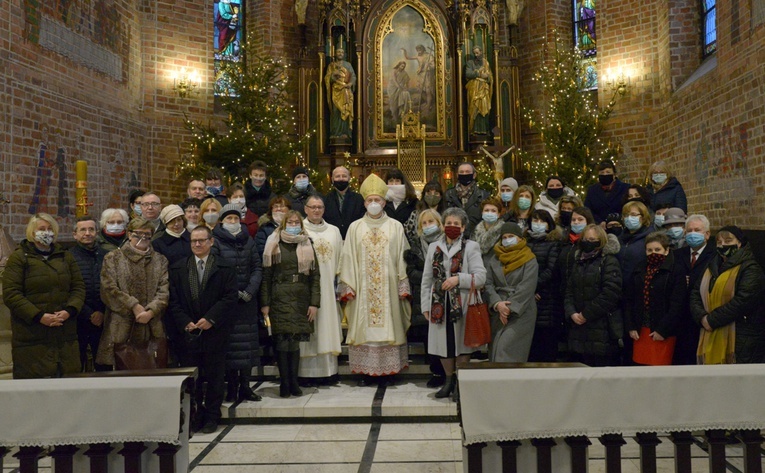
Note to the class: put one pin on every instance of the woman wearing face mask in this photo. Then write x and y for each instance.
(665, 188)
(487, 232)
(44, 291)
(401, 200)
(521, 207)
(637, 225)
(173, 242)
(234, 246)
(135, 290)
(511, 281)
(452, 264)
(727, 303)
(636, 193)
(429, 229)
(269, 222)
(580, 218)
(591, 305)
(433, 199)
(652, 303)
(555, 188)
(290, 295)
(300, 190)
(674, 227)
(543, 238)
(507, 190)
(113, 223)
(566, 206)
(210, 211)
(135, 199)
(249, 219)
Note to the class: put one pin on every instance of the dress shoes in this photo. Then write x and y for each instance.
(436, 381)
(210, 427)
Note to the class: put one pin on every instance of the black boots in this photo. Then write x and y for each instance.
(448, 387)
(232, 383)
(288, 362)
(294, 357)
(245, 391)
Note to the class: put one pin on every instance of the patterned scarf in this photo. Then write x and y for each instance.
(272, 254)
(655, 260)
(194, 284)
(439, 295)
(464, 192)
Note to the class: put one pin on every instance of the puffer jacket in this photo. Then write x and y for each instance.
(239, 251)
(547, 249)
(33, 286)
(289, 293)
(298, 198)
(266, 227)
(90, 260)
(666, 296)
(671, 193)
(632, 252)
(747, 308)
(594, 289)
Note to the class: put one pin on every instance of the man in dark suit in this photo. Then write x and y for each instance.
(203, 294)
(693, 260)
(343, 206)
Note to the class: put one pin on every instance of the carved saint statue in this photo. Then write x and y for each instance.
(479, 91)
(340, 81)
(300, 8)
(514, 9)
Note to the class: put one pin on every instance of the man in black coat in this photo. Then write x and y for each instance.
(605, 197)
(343, 206)
(90, 320)
(203, 294)
(257, 191)
(692, 261)
(467, 196)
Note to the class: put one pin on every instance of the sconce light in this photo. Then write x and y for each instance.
(619, 85)
(185, 85)
(448, 176)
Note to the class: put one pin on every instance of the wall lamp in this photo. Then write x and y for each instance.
(184, 84)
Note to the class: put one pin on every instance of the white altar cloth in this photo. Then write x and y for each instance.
(76, 411)
(524, 403)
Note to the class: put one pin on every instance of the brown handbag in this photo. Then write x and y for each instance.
(134, 355)
(477, 327)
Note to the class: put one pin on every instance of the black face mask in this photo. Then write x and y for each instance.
(617, 231)
(588, 246)
(637, 199)
(465, 179)
(606, 179)
(726, 251)
(340, 185)
(555, 193)
(565, 218)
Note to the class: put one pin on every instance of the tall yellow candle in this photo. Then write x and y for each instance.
(81, 188)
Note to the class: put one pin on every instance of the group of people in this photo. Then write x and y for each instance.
(625, 277)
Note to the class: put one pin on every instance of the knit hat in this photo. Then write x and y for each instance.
(736, 232)
(512, 183)
(373, 185)
(511, 227)
(170, 212)
(299, 170)
(229, 209)
(674, 215)
(614, 217)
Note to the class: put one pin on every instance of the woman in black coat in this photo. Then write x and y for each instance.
(543, 237)
(592, 299)
(234, 246)
(173, 242)
(268, 222)
(401, 198)
(653, 301)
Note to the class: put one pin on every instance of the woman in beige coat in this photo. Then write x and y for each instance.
(134, 287)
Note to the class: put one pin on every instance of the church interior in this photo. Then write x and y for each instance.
(373, 85)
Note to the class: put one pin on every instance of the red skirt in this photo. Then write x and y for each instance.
(646, 351)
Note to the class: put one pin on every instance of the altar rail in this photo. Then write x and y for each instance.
(542, 417)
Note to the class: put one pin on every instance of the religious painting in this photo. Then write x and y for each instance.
(409, 69)
(584, 27)
(228, 18)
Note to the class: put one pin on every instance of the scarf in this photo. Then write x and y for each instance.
(487, 237)
(718, 346)
(464, 192)
(194, 285)
(573, 238)
(439, 295)
(655, 261)
(513, 257)
(173, 234)
(272, 254)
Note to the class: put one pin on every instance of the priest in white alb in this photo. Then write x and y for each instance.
(373, 280)
(318, 356)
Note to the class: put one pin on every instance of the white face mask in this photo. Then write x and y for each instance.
(396, 193)
(211, 218)
(512, 241)
(44, 237)
(278, 217)
(238, 200)
(374, 209)
(232, 228)
(115, 228)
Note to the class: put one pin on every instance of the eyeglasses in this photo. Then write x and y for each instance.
(150, 204)
(315, 207)
(142, 235)
(199, 242)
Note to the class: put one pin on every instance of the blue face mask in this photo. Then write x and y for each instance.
(506, 196)
(430, 229)
(214, 190)
(137, 209)
(524, 203)
(301, 184)
(512, 241)
(675, 232)
(694, 239)
(576, 228)
(538, 227)
(658, 220)
(632, 223)
(293, 230)
(489, 217)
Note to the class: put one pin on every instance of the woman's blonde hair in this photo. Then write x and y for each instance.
(428, 213)
(287, 216)
(646, 216)
(35, 219)
(206, 204)
(659, 165)
(602, 236)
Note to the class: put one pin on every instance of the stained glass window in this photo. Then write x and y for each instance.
(584, 27)
(228, 21)
(709, 26)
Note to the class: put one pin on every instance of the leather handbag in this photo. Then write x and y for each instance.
(140, 355)
(477, 327)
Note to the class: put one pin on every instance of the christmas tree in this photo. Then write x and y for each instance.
(261, 124)
(568, 121)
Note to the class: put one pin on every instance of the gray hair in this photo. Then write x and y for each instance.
(704, 221)
(315, 197)
(456, 212)
(106, 214)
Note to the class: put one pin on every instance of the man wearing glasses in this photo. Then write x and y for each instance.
(203, 292)
(151, 205)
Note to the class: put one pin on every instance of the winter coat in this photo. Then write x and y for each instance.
(562, 269)
(289, 293)
(172, 248)
(547, 249)
(90, 260)
(632, 252)
(266, 227)
(666, 296)
(353, 209)
(511, 342)
(110, 243)
(402, 212)
(298, 198)
(217, 304)
(487, 238)
(594, 289)
(33, 286)
(257, 200)
(688, 329)
(671, 193)
(602, 203)
(239, 251)
(472, 207)
(747, 308)
(129, 278)
(546, 203)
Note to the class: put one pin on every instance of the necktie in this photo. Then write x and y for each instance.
(201, 270)
(693, 258)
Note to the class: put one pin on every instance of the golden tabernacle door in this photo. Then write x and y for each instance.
(410, 143)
